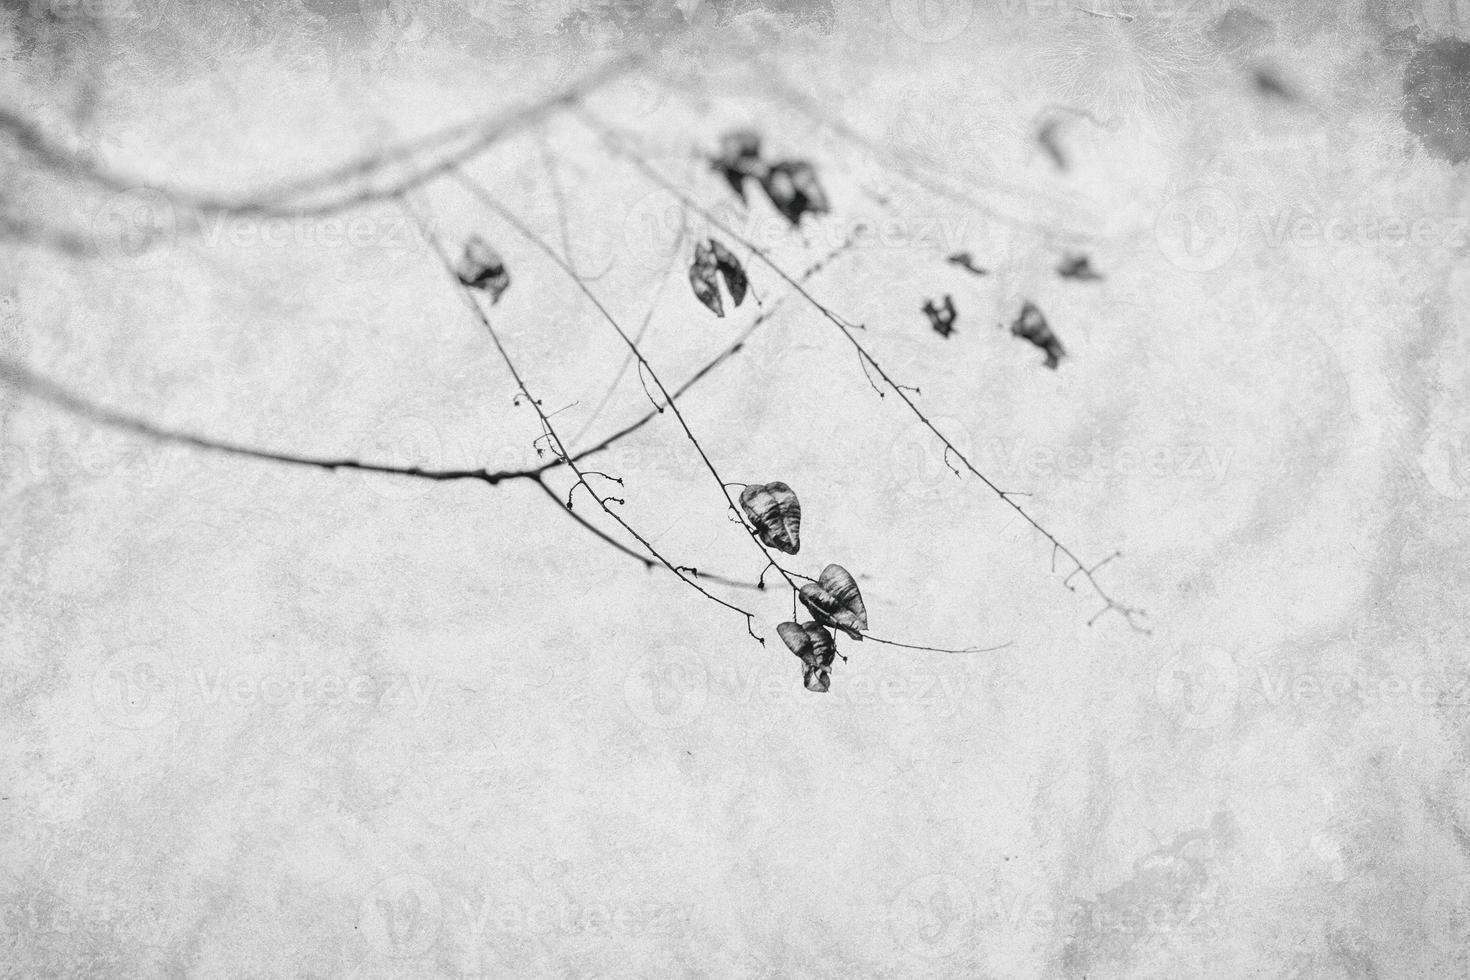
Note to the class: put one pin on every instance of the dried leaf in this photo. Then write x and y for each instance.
(481, 267)
(793, 188)
(816, 648)
(1079, 267)
(712, 259)
(834, 600)
(1031, 325)
(775, 513)
(941, 318)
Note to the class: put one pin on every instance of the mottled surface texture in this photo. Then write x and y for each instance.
(268, 721)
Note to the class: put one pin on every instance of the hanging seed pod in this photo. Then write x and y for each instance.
(834, 600)
(816, 648)
(481, 267)
(775, 513)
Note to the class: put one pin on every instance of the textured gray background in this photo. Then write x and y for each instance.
(272, 722)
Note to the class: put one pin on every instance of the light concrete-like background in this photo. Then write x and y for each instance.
(263, 721)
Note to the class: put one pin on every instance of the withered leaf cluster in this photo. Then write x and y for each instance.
(832, 599)
(791, 185)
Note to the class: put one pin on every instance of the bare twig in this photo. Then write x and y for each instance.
(618, 148)
(473, 305)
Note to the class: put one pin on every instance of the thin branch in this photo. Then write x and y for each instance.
(50, 391)
(473, 305)
(616, 146)
(540, 243)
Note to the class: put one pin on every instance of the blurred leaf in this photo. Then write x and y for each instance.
(775, 513)
(966, 261)
(1078, 267)
(793, 188)
(481, 267)
(1031, 325)
(941, 318)
(738, 158)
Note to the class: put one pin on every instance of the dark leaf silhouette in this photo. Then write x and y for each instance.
(834, 600)
(711, 259)
(481, 267)
(941, 318)
(1031, 325)
(816, 648)
(793, 188)
(738, 158)
(775, 513)
(967, 262)
(1078, 267)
